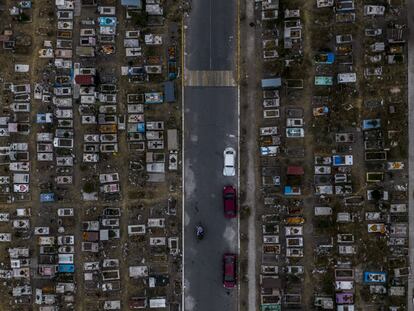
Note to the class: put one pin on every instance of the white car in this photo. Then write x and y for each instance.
(229, 162)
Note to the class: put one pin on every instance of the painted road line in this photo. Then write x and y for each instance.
(182, 161)
(410, 69)
(209, 78)
(238, 142)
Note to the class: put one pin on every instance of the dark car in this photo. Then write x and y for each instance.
(230, 202)
(229, 270)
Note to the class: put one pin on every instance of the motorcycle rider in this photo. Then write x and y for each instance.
(199, 231)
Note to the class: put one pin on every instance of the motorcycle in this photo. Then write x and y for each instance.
(199, 232)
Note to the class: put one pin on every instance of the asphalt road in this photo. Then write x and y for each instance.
(210, 37)
(210, 125)
(410, 294)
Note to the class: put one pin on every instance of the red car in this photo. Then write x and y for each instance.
(229, 270)
(230, 202)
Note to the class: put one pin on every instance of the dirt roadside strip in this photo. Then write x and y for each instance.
(250, 149)
(410, 294)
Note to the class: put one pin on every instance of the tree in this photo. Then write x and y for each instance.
(23, 17)
(89, 187)
(376, 194)
(140, 18)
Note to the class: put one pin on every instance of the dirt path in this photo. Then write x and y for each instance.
(123, 159)
(306, 99)
(35, 69)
